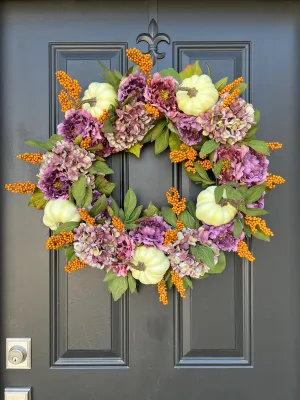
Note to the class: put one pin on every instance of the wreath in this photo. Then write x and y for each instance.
(207, 126)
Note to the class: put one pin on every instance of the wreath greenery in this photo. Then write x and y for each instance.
(207, 126)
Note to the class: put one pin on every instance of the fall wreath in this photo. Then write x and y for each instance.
(207, 126)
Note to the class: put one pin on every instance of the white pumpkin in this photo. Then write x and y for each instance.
(59, 211)
(152, 264)
(211, 213)
(105, 96)
(206, 95)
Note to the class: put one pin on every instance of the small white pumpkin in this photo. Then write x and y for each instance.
(59, 211)
(105, 96)
(206, 95)
(211, 213)
(152, 264)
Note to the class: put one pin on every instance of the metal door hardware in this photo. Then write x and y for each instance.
(20, 393)
(18, 353)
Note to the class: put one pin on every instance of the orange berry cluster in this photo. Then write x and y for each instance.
(74, 265)
(226, 166)
(32, 158)
(64, 101)
(274, 145)
(117, 223)
(57, 241)
(179, 225)
(185, 153)
(178, 283)
(72, 90)
(144, 61)
(21, 187)
(86, 217)
(152, 110)
(189, 167)
(103, 117)
(244, 252)
(256, 222)
(162, 291)
(230, 86)
(205, 164)
(170, 236)
(230, 98)
(86, 143)
(273, 180)
(173, 198)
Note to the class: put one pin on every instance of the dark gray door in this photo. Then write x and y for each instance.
(236, 335)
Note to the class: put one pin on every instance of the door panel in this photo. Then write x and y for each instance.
(235, 335)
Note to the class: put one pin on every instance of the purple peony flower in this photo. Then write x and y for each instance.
(190, 131)
(255, 167)
(125, 247)
(80, 122)
(222, 236)
(134, 85)
(232, 167)
(54, 184)
(151, 232)
(161, 93)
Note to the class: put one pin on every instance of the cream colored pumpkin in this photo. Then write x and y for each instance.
(211, 213)
(59, 211)
(153, 265)
(206, 96)
(105, 96)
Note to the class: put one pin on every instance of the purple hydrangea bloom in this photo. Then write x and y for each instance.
(80, 122)
(222, 236)
(134, 85)
(119, 268)
(151, 232)
(190, 131)
(161, 93)
(54, 184)
(255, 167)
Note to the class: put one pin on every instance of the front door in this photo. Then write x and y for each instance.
(235, 336)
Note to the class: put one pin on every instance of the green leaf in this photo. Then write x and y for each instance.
(237, 228)
(157, 130)
(217, 168)
(220, 266)
(109, 276)
(114, 207)
(221, 84)
(208, 147)
(259, 146)
(135, 214)
(241, 86)
(118, 286)
(172, 127)
(233, 194)
(194, 177)
(118, 74)
(191, 70)
(201, 172)
(251, 133)
(255, 193)
(191, 207)
(204, 254)
(66, 226)
(54, 138)
(121, 215)
(37, 199)
(261, 236)
(70, 253)
(99, 206)
(129, 203)
(130, 225)
(136, 150)
(174, 141)
(79, 190)
(111, 212)
(151, 210)
(100, 167)
(170, 72)
(187, 219)
(95, 148)
(131, 283)
(247, 230)
(88, 197)
(78, 139)
(110, 77)
(169, 216)
(104, 186)
(147, 137)
(219, 191)
(254, 212)
(256, 116)
(162, 142)
(107, 126)
(187, 283)
(39, 145)
(208, 69)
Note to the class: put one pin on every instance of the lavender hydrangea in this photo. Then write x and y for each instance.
(133, 85)
(131, 125)
(222, 236)
(189, 129)
(151, 232)
(227, 124)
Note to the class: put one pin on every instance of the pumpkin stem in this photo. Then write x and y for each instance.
(140, 266)
(192, 92)
(92, 102)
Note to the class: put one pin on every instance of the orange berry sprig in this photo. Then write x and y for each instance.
(21, 187)
(152, 110)
(64, 101)
(230, 86)
(230, 98)
(205, 164)
(162, 291)
(72, 91)
(74, 265)
(86, 143)
(103, 117)
(118, 224)
(32, 158)
(244, 252)
(274, 145)
(144, 61)
(173, 197)
(86, 217)
(273, 180)
(57, 241)
(178, 283)
(170, 236)
(256, 222)
(179, 225)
